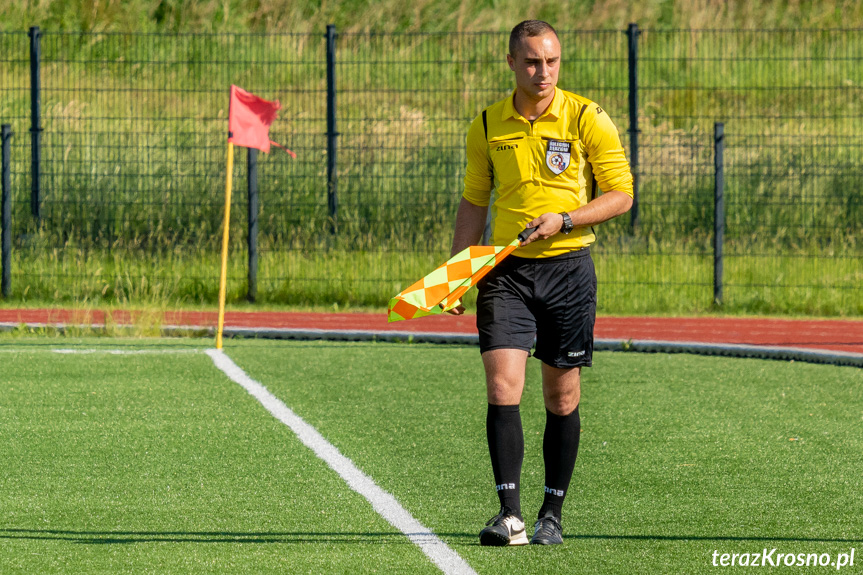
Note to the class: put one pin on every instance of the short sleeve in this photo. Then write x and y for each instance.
(478, 178)
(605, 152)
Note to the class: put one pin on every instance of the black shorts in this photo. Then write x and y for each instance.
(551, 299)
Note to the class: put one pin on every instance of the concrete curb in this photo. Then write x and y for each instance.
(733, 350)
(644, 346)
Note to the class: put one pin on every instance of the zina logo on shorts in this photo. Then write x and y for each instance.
(575, 353)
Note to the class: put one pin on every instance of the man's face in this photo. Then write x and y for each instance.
(536, 64)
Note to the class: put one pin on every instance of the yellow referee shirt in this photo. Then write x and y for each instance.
(551, 165)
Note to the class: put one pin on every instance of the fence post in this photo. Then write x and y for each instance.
(35, 122)
(6, 211)
(332, 134)
(718, 209)
(253, 224)
(632, 34)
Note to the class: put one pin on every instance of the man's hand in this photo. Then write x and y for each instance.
(546, 225)
(601, 209)
(457, 310)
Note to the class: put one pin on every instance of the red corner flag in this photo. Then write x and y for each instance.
(249, 119)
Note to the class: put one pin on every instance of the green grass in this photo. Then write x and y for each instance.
(157, 463)
(391, 15)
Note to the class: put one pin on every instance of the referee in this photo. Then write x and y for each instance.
(537, 159)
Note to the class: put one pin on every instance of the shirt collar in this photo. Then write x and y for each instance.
(553, 110)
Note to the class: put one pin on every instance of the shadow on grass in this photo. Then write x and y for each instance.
(125, 537)
(390, 537)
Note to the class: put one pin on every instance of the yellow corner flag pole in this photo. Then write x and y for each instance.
(223, 279)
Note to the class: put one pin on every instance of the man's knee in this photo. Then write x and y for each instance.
(561, 405)
(504, 391)
(561, 389)
(504, 370)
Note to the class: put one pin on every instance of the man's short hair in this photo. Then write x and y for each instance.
(528, 29)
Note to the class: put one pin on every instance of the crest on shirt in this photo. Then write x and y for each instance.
(557, 156)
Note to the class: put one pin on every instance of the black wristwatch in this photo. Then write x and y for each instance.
(567, 223)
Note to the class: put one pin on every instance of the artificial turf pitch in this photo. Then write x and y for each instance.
(157, 463)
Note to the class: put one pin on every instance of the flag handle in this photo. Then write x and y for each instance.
(525, 234)
(223, 278)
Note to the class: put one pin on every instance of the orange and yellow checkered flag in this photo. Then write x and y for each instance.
(442, 289)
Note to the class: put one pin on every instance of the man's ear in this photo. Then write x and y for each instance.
(511, 61)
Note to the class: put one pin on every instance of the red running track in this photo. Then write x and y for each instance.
(833, 335)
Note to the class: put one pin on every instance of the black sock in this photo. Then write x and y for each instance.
(559, 450)
(506, 447)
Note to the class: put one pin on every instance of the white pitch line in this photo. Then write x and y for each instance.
(92, 351)
(124, 351)
(384, 503)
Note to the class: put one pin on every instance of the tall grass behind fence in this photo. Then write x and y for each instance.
(790, 101)
(134, 158)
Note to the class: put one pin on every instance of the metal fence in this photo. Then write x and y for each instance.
(118, 159)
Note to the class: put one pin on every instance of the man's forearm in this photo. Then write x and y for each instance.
(469, 225)
(607, 206)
